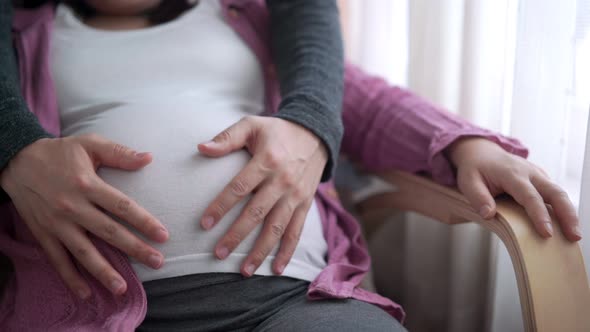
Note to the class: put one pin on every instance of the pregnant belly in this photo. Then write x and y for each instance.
(180, 182)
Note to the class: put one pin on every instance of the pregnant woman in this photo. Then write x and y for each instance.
(119, 85)
(124, 76)
(164, 87)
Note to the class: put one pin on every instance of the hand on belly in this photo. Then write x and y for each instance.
(181, 183)
(287, 164)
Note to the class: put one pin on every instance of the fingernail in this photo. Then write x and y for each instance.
(281, 269)
(210, 144)
(250, 269)
(116, 286)
(162, 234)
(207, 222)
(549, 228)
(485, 211)
(83, 293)
(141, 154)
(156, 261)
(576, 231)
(222, 252)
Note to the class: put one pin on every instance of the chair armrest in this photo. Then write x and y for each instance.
(550, 273)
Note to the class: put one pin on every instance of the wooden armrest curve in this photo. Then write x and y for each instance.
(550, 273)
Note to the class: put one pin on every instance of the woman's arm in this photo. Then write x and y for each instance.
(18, 126)
(391, 128)
(307, 48)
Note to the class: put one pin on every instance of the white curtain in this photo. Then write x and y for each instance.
(585, 206)
(581, 102)
(511, 66)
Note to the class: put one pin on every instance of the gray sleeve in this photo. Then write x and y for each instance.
(307, 49)
(18, 126)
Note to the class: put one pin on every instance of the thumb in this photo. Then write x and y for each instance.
(478, 194)
(231, 139)
(107, 153)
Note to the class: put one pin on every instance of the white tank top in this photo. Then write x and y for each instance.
(164, 89)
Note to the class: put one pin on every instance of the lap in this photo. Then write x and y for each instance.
(230, 302)
(330, 315)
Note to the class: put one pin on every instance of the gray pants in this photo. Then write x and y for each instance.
(230, 302)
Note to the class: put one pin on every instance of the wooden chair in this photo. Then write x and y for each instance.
(551, 277)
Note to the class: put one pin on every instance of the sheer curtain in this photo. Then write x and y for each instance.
(585, 206)
(581, 100)
(518, 67)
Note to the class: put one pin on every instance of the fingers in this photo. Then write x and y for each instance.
(239, 187)
(290, 239)
(62, 262)
(67, 231)
(277, 221)
(231, 139)
(118, 236)
(251, 216)
(111, 154)
(562, 206)
(84, 251)
(478, 194)
(57, 255)
(284, 223)
(528, 196)
(278, 164)
(127, 209)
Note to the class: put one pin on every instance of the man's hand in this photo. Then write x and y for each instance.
(284, 172)
(54, 187)
(485, 170)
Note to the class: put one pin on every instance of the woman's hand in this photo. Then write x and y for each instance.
(54, 186)
(284, 172)
(485, 170)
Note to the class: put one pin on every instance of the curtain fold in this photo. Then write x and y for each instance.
(585, 205)
(581, 103)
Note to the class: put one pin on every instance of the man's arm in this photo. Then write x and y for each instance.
(307, 49)
(18, 126)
